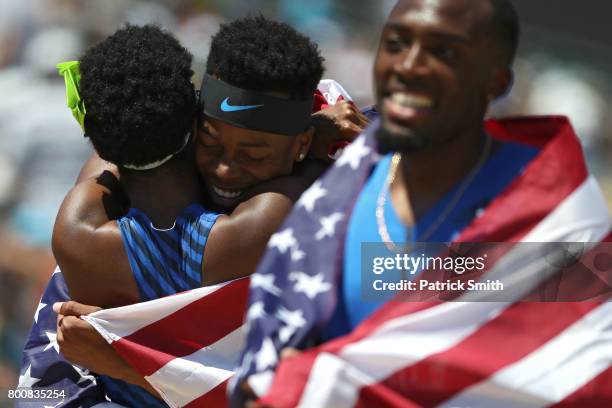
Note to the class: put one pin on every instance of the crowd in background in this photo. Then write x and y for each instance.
(42, 147)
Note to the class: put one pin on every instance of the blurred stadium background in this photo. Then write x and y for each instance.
(564, 67)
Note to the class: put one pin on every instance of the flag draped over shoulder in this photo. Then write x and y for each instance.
(410, 354)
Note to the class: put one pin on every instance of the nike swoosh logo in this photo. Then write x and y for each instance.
(226, 107)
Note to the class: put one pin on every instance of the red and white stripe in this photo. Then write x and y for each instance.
(481, 354)
(186, 345)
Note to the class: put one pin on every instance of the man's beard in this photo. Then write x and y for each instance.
(407, 141)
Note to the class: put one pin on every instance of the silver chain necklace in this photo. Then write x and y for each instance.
(382, 198)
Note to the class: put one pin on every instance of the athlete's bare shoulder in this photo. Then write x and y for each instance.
(88, 247)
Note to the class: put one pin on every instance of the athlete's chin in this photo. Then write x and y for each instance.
(224, 205)
(393, 137)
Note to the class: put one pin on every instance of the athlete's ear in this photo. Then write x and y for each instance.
(302, 144)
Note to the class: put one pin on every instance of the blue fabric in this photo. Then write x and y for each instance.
(290, 282)
(285, 279)
(495, 175)
(164, 262)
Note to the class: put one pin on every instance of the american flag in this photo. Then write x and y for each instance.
(44, 366)
(153, 347)
(407, 354)
(186, 346)
(453, 354)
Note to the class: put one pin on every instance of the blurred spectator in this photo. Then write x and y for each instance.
(143, 12)
(352, 66)
(316, 19)
(14, 22)
(41, 151)
(569, 92)
(195, 33)
(40, 137)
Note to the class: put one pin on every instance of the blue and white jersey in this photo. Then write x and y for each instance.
(164, 262)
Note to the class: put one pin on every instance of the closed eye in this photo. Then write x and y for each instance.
(444, 52)
(206, 139)
(255, 158)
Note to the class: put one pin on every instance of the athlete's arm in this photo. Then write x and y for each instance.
(237, 242)
(86, 242)
(88, 247)
(95, 166)
(251, 226)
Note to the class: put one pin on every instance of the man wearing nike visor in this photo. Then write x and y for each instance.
(255, 125)
(256, 122)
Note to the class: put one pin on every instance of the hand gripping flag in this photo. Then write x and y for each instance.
(411, 354)
(186, 346)
(186, 350)
(44, 366)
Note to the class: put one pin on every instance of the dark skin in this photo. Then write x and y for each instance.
(229, 158)
(442, 56)
(88, 214)
(108, 282)
(336, 123)
(233, 159)
(252, 222)
(242, 161)
(79, 342)
(77, 339)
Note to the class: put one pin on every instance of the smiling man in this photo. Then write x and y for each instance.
(159, 247)
(444, 174)
(140, 103)
(256, 122)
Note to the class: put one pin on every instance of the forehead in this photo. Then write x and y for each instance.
(233, 134)
(461, 17)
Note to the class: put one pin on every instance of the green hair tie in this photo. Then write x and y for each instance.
(72, 77)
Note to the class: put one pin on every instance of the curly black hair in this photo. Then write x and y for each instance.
(259, 54)
(137, 89)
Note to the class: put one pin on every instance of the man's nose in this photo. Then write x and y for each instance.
(225, 170)
(414, 62)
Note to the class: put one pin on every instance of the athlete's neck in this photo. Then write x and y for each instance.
(423, 178)
(163, 193)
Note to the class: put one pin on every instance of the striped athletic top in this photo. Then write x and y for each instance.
(164, 262)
